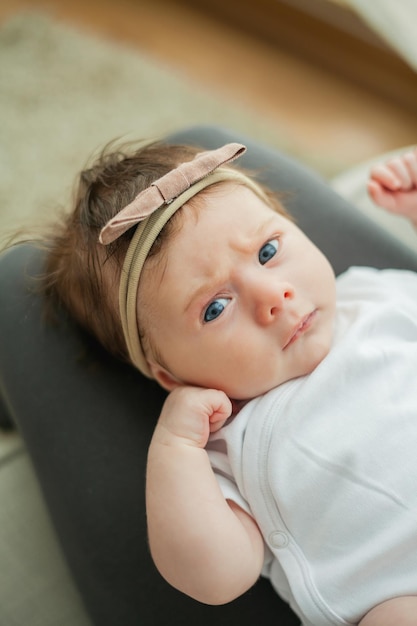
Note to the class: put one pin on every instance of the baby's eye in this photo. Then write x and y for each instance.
(215, 309)
(268, 250)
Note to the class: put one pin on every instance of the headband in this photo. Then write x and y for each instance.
(150, 211)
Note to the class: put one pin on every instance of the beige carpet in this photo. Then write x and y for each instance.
(64, 94)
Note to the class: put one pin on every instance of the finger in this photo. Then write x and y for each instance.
(410, 159)
(220, 414)
(217, 426)
(380, 196)
(399, 168)
(221, 407)
(383, 175)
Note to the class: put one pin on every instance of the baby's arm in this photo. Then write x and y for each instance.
(393, 185)
(396, 612)
(202, 545)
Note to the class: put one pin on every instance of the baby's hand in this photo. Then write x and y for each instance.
(393, 185)
(190, 414)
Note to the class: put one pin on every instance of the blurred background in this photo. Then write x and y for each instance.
(315, 66)
(332, 82)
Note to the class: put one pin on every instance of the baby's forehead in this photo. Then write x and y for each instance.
(230, 218)
(230, 201)
(225, 214)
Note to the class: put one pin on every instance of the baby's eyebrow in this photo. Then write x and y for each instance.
(206, 287)
(262, 230)
(260, 234)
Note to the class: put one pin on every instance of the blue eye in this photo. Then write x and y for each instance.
(215, 309)
(268, 250)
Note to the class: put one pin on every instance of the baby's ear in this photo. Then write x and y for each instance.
(164, 377)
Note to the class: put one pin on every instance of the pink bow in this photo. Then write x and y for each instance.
(167, 188)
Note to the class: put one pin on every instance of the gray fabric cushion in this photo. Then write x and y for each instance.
(36, 588)
(86, 420)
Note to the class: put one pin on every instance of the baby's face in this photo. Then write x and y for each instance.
(242, 300)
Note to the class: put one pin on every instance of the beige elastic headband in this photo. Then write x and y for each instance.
(151, 209)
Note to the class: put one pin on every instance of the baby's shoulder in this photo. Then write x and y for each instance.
(369, 282)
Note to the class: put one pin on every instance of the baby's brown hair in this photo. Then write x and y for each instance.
(82, 274)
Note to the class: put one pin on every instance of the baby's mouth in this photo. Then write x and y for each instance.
(300, 328)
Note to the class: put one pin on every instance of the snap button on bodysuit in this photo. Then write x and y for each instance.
(278, 539)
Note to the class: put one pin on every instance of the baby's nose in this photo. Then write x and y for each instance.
(271, 300)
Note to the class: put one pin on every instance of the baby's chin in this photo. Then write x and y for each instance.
(245, 395)
(319, 356)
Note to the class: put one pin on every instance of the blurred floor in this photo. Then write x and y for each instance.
(318, 109)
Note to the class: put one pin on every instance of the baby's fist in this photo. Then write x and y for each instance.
(393, 185)
(190, 414)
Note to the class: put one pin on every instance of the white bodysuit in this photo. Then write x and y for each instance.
(327, 463)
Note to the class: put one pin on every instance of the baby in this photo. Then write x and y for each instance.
(286, 446)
